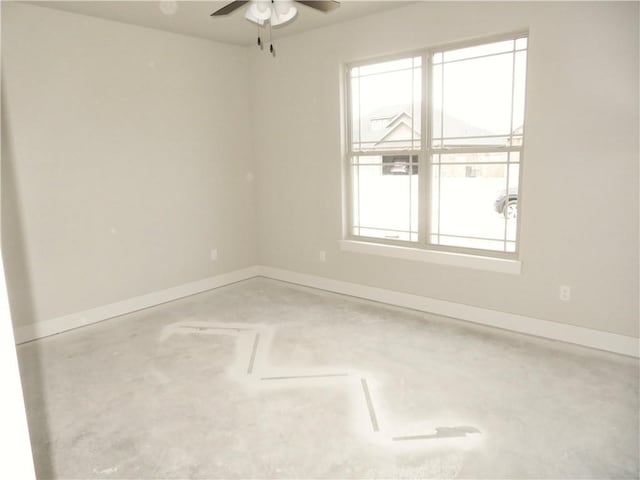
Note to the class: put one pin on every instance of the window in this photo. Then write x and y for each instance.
(435, 145)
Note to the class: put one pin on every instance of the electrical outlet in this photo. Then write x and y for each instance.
(323, 256)
(214, 254)
(565, 293)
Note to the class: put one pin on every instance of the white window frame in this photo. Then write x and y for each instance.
(422, 250)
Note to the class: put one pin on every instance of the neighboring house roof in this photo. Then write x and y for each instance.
(392, 116)
(400, 128)
(397, 125)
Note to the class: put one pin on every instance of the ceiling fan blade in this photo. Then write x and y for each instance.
(322, 5)
(229, 8)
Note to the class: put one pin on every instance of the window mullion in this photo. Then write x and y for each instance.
(424, 165)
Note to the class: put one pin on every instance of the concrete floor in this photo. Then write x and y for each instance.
(266, 380)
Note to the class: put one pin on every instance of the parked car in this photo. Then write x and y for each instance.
(507, 205)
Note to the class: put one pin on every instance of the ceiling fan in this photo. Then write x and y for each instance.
(261, 11)
(273, 12)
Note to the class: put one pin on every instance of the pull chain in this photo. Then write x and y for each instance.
(271, 47)
(260, 43)
(259, 39)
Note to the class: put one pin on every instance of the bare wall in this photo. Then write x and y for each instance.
(580, 187)
(125, 160)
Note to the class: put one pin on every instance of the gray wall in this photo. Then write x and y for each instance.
(125, 157)
(580, 183)
(126, 152)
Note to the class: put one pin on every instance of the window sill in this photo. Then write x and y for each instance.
(478, 262)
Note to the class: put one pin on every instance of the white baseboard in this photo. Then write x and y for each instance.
(87, 317)
(587, 337)
(600, 340)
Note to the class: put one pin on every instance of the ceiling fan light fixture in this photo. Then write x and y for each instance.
(259, 11)
(282, 11)
(277, 12)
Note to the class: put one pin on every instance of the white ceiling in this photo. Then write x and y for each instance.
(193, 17)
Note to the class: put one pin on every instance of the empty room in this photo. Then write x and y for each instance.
(289, 239)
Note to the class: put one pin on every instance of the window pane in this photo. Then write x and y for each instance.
(474, 157)
(384, 67)
(511, 208)
(416, 113)
(521, 43)
(355, 196)
(436, 93)
(355, 120)
(473, 205)
(470, 242)
(399, 164)
(519, 81)
(385, 203)
(476, 97)
(388, 234)
(478, 50)
(385, 105)
(470, 142)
